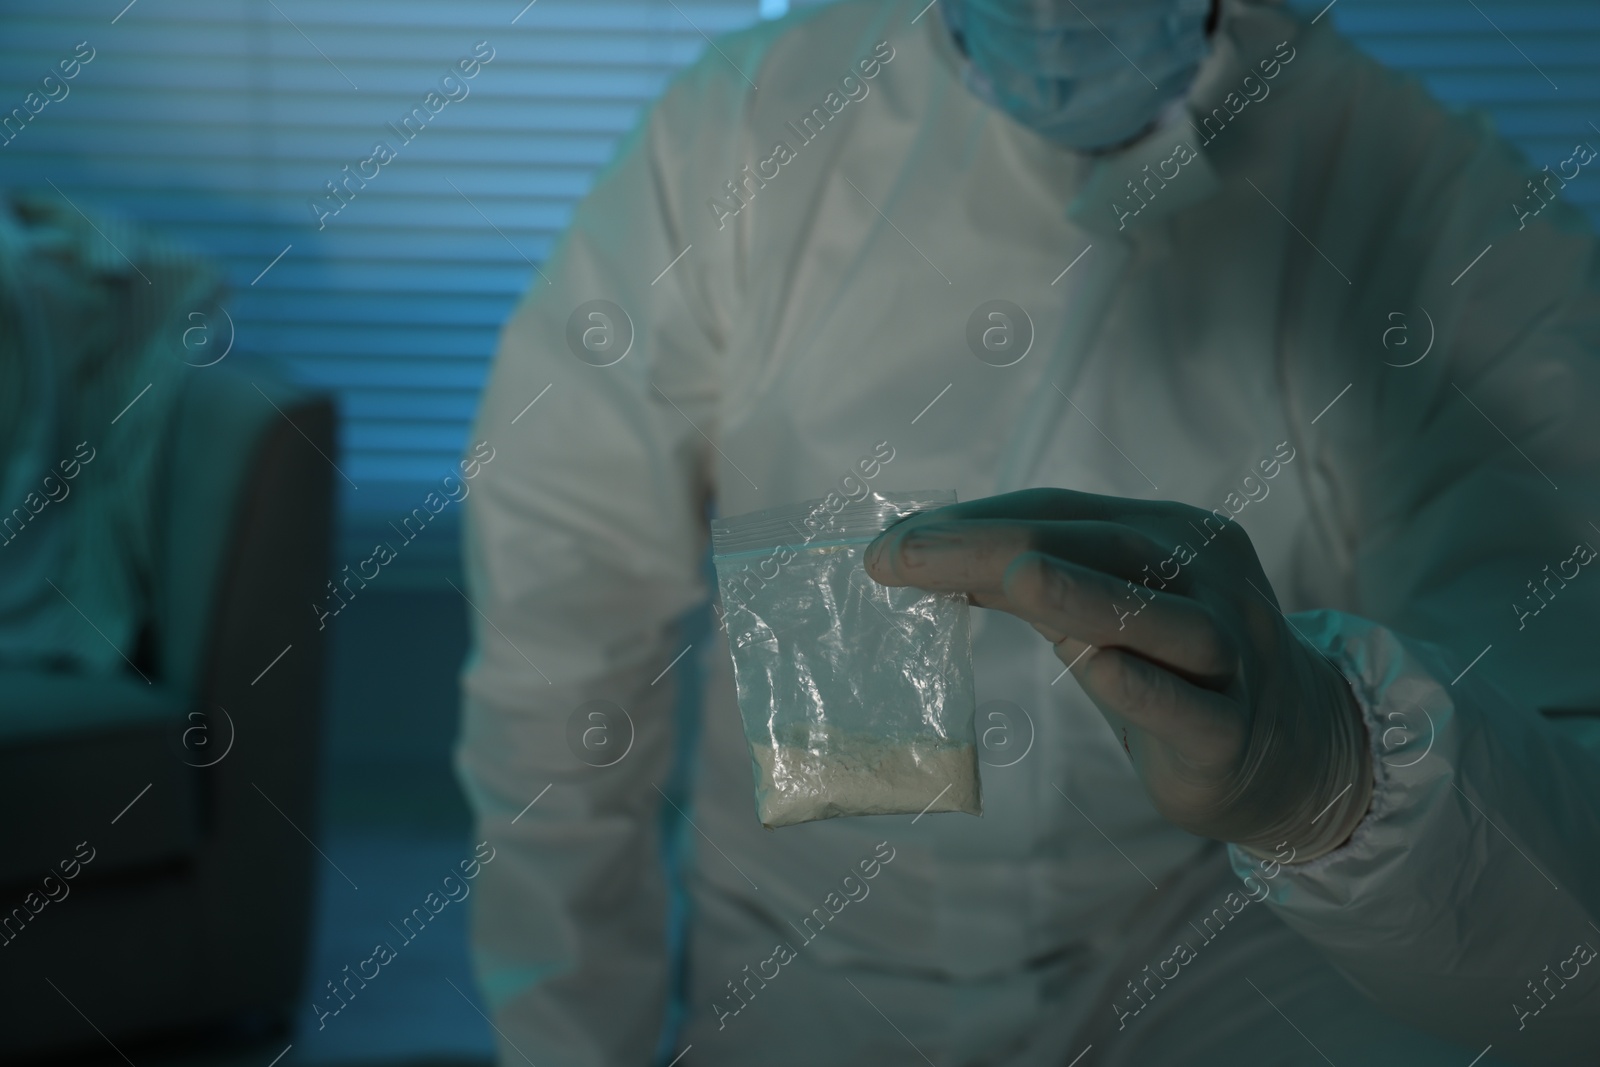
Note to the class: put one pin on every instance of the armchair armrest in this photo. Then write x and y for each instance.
(249, 512)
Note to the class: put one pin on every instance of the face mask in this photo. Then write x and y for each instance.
(1046, 65)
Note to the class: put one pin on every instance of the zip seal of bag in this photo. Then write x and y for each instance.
(856, 698)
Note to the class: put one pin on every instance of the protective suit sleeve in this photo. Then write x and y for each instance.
(1453, 486)
(584, 537)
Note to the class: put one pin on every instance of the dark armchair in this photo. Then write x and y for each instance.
(194, 905)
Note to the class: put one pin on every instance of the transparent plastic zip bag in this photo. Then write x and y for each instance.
(856, 698)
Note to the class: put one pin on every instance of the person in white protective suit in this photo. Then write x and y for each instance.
(1282, 295)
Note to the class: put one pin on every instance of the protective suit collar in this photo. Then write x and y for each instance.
(1155, 177)
(1176, 180)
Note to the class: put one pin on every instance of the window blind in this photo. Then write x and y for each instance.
(1532, 65)
(221, 122)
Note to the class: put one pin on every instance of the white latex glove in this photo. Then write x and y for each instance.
(1238, 728)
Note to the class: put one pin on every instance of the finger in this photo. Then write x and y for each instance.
(1032, 504)
(1205, 728)
(1044, 504)
(1069, 650)
(972, 555)
(1026, 504)
(1051, 634)
(997, 602)
(1095, 608)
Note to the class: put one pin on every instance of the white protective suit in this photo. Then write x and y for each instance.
(1258, 307)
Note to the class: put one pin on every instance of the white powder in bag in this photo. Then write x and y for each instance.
(838, 775)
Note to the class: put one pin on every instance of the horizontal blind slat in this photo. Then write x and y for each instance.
(218, 122)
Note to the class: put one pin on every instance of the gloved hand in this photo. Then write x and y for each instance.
(1239, 729)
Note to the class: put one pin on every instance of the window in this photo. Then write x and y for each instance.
(222, 122)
